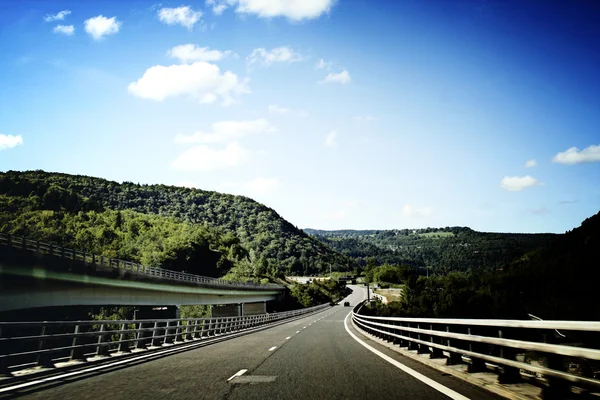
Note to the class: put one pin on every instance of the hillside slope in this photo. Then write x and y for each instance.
(442, 250)
(274, 246)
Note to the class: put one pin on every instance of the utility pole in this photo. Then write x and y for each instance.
(368, 295)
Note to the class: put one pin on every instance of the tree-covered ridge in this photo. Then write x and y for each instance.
(273, 245)
(557, 281)
(442, 250)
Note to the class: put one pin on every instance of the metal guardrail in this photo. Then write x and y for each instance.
(96, 260)
(44, 344)
(503, 344)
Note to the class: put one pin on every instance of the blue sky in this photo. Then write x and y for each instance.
(338, 114)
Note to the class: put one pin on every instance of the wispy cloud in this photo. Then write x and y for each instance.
(364, 118)
(183, 16)
(223, 131)
(10, 141)
(294, 10)
(190, 52)
(341, 77)
(59, 16)
(100, 26)
(275, 109)
(266, 57)
(516, 183)
(322, 64)
(410, 211)
(67, 30)
(538, 211)
(200, 80)
(531, 163)
(331, 139)
(564, 202)
(575, 156)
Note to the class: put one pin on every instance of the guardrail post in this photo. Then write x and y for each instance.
(168, 339)
(477, 364)
(101, 347)
(140, 342)
(557, 388)
(76, 352)
(435, 352)
(178, 336)
(508, 374)
(43, 359)
(123, 344)
(155, 337)
(453, 358)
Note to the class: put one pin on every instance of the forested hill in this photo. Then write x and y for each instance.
(59, 207)
(441, 249)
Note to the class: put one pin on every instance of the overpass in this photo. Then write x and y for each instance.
(36, 274)
(328, 353)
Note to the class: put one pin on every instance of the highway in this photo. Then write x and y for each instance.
(315, 357)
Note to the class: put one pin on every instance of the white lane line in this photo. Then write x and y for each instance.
(303, 327)
(288, 338)
(430, 382)
(239, 373)
(272, 348)
(297, 331)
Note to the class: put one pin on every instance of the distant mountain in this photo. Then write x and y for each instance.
(38, 203)
(442, 250)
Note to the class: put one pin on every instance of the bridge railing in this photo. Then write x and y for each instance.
(49, 343)
(555, 354)
(92, 259)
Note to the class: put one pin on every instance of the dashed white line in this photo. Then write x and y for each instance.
(272, 348)
(239, 373)
(297, 331)
(288, 338)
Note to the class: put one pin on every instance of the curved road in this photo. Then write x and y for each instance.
(311, 358)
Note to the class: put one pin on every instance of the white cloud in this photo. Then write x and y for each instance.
(331, 139)
(343, 210)
(200, 80)
(100, 26)
(204, 158)
(322, 64)
(64, 29)
(409, 211)
(190, 52)
(10, 141)
(183, 16)
(277, 55)
(364, 118)
(293, 9)
(531, 163)
(516, 183)
(575, 156)
(228, 130)
(275, 109)
(257, 187)
(218, 6)
(58, 16)
(342, 77)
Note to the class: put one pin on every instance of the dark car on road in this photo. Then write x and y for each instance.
(346, 304)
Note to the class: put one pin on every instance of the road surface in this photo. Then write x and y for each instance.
(311, 358)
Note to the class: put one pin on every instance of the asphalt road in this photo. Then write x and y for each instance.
(310, 358)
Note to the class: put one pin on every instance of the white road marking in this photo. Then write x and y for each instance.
(272, 348)
(239, 373)
(288, 338)
(430, 382)
(303, 327)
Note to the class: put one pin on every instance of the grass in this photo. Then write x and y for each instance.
(436, 235)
